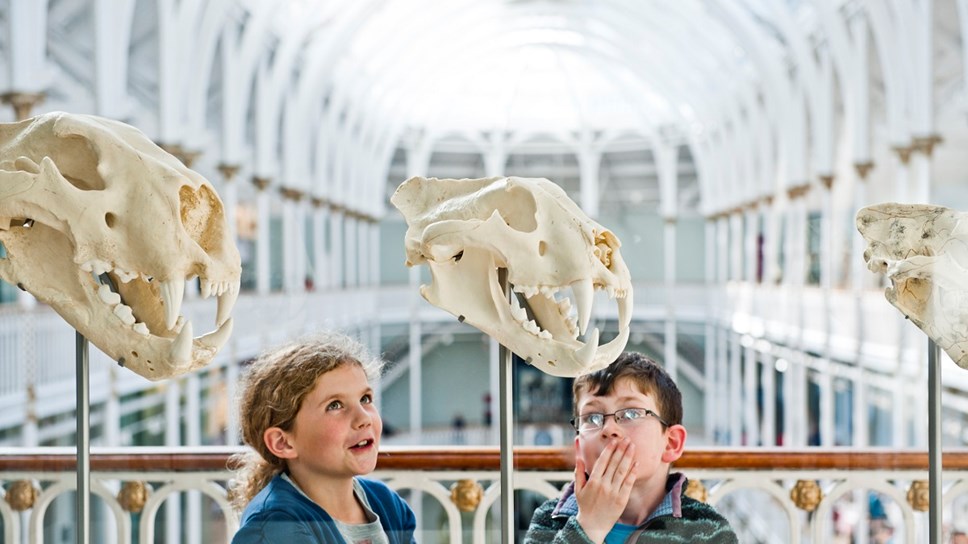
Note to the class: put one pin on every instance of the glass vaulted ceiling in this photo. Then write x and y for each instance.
(537, 65)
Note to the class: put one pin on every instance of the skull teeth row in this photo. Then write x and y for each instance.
(521, 316)
(550, 290)
(122, 312)
(172, 294)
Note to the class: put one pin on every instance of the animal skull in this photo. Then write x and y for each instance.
(923, 250)
(105, 227)
(466, 230)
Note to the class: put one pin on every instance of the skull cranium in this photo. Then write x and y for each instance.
(923, 250)
(466, 230)
(105, 227)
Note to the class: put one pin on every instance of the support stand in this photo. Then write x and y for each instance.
(507, 431)
(934, 443)
(83, 440)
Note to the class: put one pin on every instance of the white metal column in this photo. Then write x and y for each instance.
(264, 217)
(712, 380)
(336, 255)
(671, 352)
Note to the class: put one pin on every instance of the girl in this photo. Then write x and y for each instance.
(307, 411)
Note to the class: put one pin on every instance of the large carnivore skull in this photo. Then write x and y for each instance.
(466, 230)
(923, 250)
(105, 227)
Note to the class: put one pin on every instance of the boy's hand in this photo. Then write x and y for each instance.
(604, 493)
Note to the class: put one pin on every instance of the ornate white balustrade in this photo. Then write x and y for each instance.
(776, 495)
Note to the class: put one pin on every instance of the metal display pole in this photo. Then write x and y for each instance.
(934, 442)
(83, 440)
(507, 430)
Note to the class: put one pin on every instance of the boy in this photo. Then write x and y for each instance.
(629, 423)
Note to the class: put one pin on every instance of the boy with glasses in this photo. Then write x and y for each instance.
(629, 426)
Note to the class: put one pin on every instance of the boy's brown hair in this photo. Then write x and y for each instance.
(648, 377)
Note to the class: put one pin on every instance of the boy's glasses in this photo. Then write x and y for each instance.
(625, 416)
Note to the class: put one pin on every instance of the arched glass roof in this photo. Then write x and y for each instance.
(540, 65)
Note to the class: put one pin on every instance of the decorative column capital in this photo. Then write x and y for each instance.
(904, 152)
(767, 200)
(181, 153)
(22, 102)
(318, 202)
(261, 182)
(925, 144)
(863, 168)
(291, 194)
(227, 170)
(827, 180)
(798, 191)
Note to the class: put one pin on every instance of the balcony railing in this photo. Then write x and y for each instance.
(769, 495)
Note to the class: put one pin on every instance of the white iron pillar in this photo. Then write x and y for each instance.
(320, 254)
(712, 379)
(667, 163)
(336, 255)
(262, 252)
(351, 236)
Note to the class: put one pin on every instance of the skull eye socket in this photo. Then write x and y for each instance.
(77, 161)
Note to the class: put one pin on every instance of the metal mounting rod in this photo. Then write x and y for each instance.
(934, 443)
(83, 440)
(507, 431)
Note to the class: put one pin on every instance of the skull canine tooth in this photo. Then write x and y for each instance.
(226, 301)
(172, 294)
(585, 300)
(217, 338)
(206, 288)
(586, 354)
(181, 346)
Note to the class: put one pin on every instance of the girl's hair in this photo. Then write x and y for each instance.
(271, 392)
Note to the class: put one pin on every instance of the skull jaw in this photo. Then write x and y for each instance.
(78, 303)
(485, 307)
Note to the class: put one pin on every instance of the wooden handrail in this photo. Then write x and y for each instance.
(437, 458)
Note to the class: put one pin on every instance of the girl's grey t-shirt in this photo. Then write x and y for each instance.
(361, 533)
